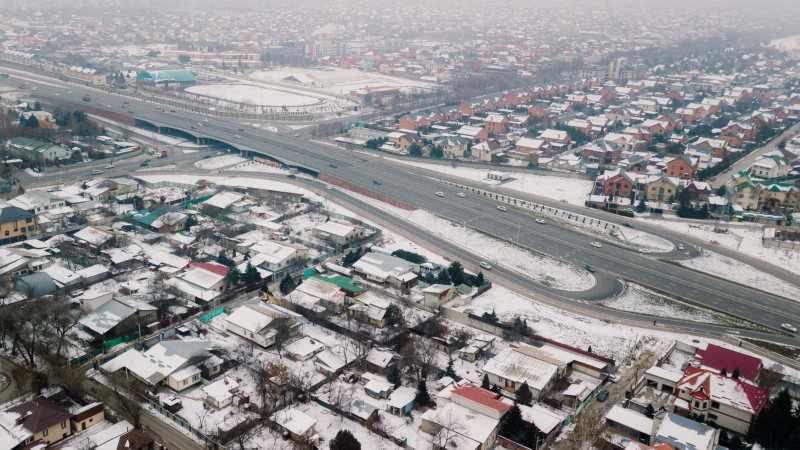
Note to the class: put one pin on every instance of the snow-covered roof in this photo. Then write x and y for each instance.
(93, 235)
(524, 364)
(203, 278)
(304, 347)
(107, 316)
(335, 228)
(681, 432)
(661, 372)
(631, 419)
(401, 397)
(222, 389)
(249, 318)
(471, 425)
(166, 357)
(294, 420)
(720, 388)
(379, 358)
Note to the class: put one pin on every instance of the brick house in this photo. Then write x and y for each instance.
(496, 123)
(619, 184)
(681, 166)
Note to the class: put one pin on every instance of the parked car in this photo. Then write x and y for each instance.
(645, 251)
(110, 166)
(461, 194)
(502, 208)
(329, 187)
(376, 182)
(590, 268)
(237, 136)
(789, 327)
(440, 194)
(627, 224)
(333, 165)
(613, 377)
(241, 129)
(96, 172)
(485, 265)
(602, 395)
(680, 246)
(540, 221)
(596, 244)
(291, 175)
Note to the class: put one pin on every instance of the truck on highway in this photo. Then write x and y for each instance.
(161, 154)
(86, 98)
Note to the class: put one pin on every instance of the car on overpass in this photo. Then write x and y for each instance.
(789, 327)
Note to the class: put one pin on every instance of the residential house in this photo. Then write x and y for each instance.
(698, 190)
(383, 268)
(119, 316)
(661, 188)
(202, 282)
(681, 166)
(556, 137)
(715, 398)
(718, 358)
(455, 146)
(38, 202)
(220, 393)
(460, 427)
(172, 363)
(87, 416)
(298, 424)
(495, 123)
(770, 165)
(263, 322)
(37, 421)
(16, 224)
(682, 433)
(524, 364)
(401, 401)
(404, 140)
(603, 152)
(436, 295)
(303, 349)
(489, 150)
(342, 234)
(617, 184)
(94, 237)
(370, 308)
(473, 134)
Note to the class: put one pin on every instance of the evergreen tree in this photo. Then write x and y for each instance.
(394, 375)
(450, 371)
(287, 285)
(444, 277)
(724, 372)
(512, 425)
(530, 437)
(394, 315)
(234, 276)
(32, 122)
(649, 411)
(496, 389)
(485, 383)
(344, 440)
(479, 280)
(423, 398)
(456, 272)
(735, 374)
(491, 316)
(778, 426)
(642, 206)
(524, 394)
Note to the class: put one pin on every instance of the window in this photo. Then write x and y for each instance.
(715, 405)
(195, 377)
(28, 220)
(184, 382)
(6, 232)
(64, 424)
(712, 417)
(44, 433)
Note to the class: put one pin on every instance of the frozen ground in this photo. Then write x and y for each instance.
(722, 266)
(744, 237)
(254, 95)
(641, 300)
(547, 271)
(569, 190)
(219, 162)
(255, 166)
(340, 81)
(256, 183)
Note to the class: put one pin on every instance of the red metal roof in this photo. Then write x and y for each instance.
(218, 269)
(483, 396)
(718, 358)
(736, 393)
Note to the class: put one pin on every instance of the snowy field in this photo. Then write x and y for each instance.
(640, 300)
(254, 95)
(340, 81)
(548, 271)
(244, 182)
(255, 166)
(722, 266)
(569, 190)
(744, 237)
(786, 43)
(219, 162)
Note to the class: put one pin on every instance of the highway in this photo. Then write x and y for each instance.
(414, 187)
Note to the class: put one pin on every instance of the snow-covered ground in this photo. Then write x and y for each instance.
(219, 162)
(722, 266)
(569, 190)
(341, 81)
(256, 183)
(641, 300)
(744, 237)
(545, 270)
(255, 166)
(786, 43)
(255, 95)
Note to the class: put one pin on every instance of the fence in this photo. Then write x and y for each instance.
(205, 318)
(185, 425)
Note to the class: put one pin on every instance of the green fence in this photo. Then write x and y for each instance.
(212, 314)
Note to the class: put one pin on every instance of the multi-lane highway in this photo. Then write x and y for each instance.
(417, 188)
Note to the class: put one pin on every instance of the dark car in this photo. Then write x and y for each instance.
(144, 164)
(207, 156)
(376, 181)
(291, 175)
(602, 395)
(627, 224)
(590, 268)
(333, 165)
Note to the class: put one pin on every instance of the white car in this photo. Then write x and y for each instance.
(502, 208)
(329, 187)
(644, 251)
(110, 166)
(613, 377)
(485, 265)
(440, 194)
(237, 136)
(461, 194)
(680, 246)
(789, 327)
(596, 244)
(540, 221)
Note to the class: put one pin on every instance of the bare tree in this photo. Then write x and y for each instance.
(770, 378)
(450, 428)
(62, 319)
(124, 392)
